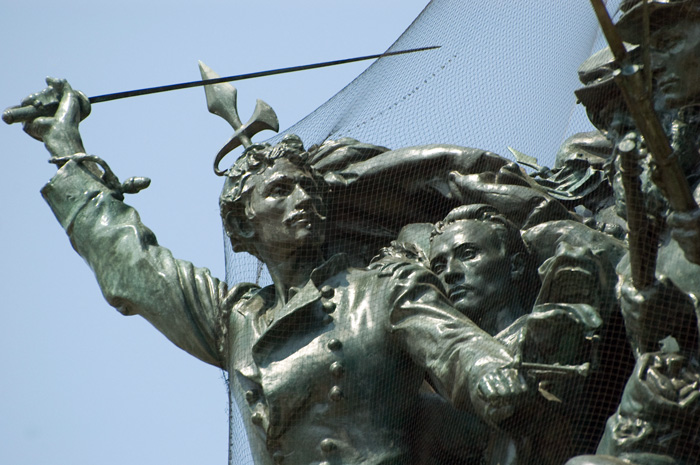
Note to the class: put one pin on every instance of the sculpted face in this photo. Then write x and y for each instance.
(472, 262)
(284, 208)
(676, 63)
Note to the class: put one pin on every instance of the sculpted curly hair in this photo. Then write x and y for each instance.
(237, 188)
(507, 232)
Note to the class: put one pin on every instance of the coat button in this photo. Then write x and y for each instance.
(337, 369)
(327, 292)
(251, 396)
(334, 344)
(335, 394)
(328, 306)
(327, 319)
(278, 457)
(328, 445)
(257, 418)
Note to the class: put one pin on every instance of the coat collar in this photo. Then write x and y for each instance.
(300, 298)
(334, 265)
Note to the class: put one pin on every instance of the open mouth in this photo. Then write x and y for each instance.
(573, 284)
(303, 222)
(298, 217)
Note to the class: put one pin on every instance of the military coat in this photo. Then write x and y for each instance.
(331, 376)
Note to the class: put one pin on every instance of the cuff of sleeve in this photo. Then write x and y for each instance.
(70, 190)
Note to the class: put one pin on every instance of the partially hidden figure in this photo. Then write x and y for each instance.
(658, 419)
(326, 364)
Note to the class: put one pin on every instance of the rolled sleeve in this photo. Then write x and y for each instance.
(135, 274)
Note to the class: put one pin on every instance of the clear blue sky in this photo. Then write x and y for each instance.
(79, 383)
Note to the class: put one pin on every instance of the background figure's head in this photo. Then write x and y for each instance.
(271, 200)
(484, 264)
(600, 94)
(674, 47)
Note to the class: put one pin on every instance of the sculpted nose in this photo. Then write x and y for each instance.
(454, 272)
(658, 60)
(300, 195)
(453, 278)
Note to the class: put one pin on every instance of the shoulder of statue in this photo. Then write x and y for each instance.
(402, 270)
(242, 294)
(241, 299)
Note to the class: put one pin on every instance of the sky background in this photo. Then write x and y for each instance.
(81, 384)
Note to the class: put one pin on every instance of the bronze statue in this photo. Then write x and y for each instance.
(554, 322)
(495, 310)
(325, 364)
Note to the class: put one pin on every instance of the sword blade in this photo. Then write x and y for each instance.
(241, 77)
(19, 114)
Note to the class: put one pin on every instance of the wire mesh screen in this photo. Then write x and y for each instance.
(493, 72)
(429, 300)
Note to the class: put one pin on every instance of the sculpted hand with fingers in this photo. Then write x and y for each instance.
(59, 132)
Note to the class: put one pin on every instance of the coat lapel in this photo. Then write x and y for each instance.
(297, 314)
(299, 309)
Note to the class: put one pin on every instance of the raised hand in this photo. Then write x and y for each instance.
(59, 132)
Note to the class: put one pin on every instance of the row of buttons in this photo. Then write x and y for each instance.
(337, 369)
(328, 306)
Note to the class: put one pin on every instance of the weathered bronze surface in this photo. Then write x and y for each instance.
(436, 304)
(659, 413)
(329, 360)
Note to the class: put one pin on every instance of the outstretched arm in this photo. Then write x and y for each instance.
(136, 275)
(467, 365)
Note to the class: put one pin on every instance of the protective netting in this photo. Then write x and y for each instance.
(482, 88)
(336, 368)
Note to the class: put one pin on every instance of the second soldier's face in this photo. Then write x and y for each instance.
(471, 261)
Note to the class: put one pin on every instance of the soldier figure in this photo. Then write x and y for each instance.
(325, 364)
(658, 417)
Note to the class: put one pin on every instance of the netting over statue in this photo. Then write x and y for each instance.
(427, 300)
(464, 93)
(540, 262)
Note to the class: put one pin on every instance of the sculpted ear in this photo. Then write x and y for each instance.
(239, 226)
(517, 266)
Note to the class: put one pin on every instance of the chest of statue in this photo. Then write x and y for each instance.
(323, 378)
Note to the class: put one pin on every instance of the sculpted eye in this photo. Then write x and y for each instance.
(668, 44)
(438, 267)
(675, 46)
(310, 187)
(280, 189)
(468, 253)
